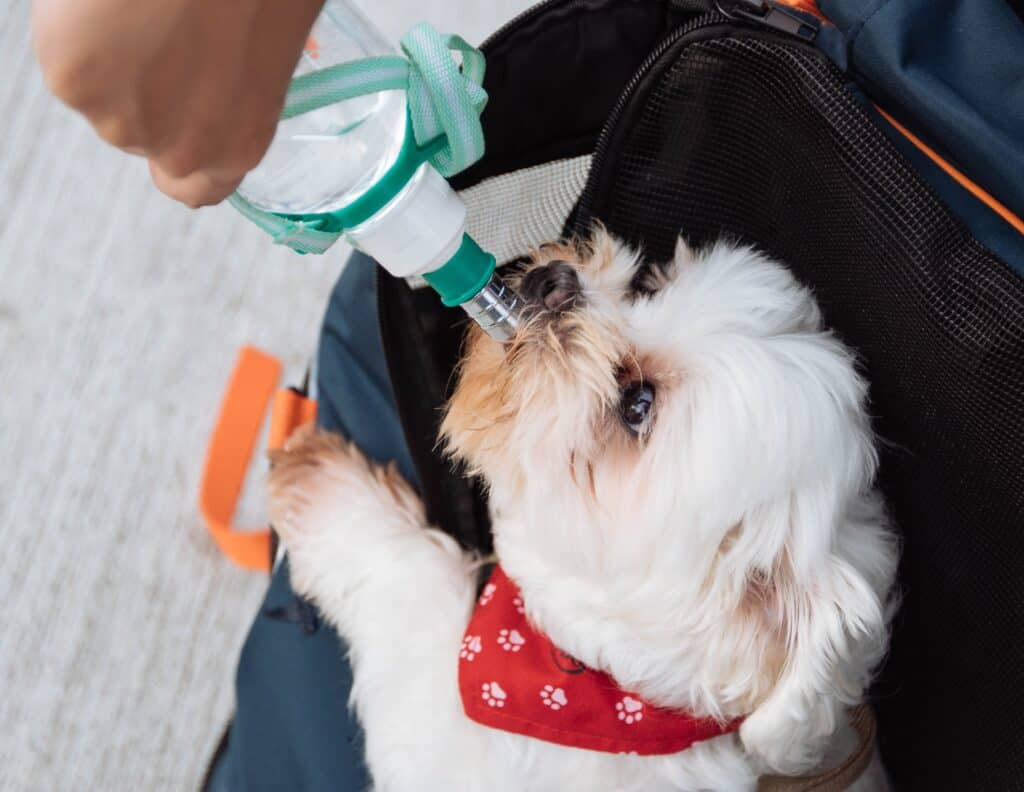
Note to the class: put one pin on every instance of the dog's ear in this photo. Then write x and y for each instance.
(684, 254)
(652, 278)
(828, 586)
(609, 263)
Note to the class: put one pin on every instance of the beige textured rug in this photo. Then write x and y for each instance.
(120, 314)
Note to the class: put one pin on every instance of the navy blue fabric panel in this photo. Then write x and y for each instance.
(292, 728)
(353, 388)
(985, 225)
(953, 72)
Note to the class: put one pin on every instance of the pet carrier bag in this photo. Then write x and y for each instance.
(876, 147)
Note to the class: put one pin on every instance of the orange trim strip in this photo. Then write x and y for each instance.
(961, 179)
(811, 7)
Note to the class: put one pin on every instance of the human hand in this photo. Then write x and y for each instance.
(195, 86)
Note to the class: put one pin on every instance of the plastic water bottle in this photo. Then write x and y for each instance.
(323, 160)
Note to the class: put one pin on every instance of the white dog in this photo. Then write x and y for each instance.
(680, 472)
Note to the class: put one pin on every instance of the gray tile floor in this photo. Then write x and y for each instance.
(120, 314)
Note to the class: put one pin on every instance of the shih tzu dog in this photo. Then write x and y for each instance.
(694, 568)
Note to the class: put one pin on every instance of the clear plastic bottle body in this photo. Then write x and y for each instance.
(323, 160)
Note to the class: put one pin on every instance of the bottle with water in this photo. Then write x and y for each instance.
(324, 161)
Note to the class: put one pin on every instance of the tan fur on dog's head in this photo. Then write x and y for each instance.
(553, 370)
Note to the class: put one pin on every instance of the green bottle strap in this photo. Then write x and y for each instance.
(444, 106)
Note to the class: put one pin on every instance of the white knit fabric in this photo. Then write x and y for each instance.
(513, 212)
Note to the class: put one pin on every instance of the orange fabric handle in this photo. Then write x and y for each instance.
(249, 392)
(289, 411)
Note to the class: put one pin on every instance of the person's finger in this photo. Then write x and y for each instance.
(202, 188)
(120, 129)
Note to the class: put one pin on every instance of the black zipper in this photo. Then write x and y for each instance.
(766, 15)
(583, 219)
(389, 364)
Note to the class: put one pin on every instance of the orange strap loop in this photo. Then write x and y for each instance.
(807, 6)
(250, 390)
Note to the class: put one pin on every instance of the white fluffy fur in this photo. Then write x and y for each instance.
(734, 561)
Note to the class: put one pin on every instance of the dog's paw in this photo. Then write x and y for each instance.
(319, 482)
(784, 741)
(302, 474)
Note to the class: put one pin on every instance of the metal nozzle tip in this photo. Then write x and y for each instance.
(497, 309)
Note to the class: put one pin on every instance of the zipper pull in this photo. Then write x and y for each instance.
(768, 14)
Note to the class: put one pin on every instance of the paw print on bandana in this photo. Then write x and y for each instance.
(471, 647)
(493, 694)
(487, 594)
(518, 602)
(553, 697)
(630, 710)
(511, 640)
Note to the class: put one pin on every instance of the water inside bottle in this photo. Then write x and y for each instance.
(323, 160)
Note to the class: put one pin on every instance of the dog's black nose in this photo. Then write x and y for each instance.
(554, 285)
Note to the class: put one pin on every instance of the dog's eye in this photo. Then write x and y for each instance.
(635, 405)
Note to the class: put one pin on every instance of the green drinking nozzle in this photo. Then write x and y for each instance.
(469, 280)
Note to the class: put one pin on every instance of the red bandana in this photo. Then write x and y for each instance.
(513, 678)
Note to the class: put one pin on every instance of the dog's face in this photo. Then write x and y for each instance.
(669, 462)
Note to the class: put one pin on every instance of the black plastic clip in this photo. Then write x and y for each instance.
(769, 14)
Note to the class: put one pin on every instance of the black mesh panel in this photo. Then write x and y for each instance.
(757, 138)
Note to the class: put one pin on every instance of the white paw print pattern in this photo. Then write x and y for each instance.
(511, 640)
(553, 697)
(487, 594)
(518, 602)
(494, 694)
(471, 647)
(630, 710)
